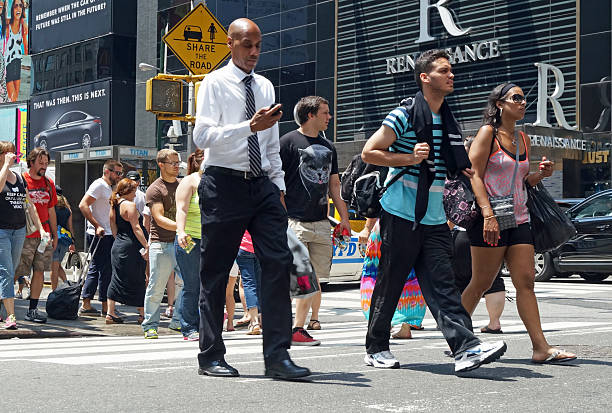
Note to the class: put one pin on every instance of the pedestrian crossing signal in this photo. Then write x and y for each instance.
(165, 96)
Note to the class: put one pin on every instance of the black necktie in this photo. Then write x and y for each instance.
(254, 152)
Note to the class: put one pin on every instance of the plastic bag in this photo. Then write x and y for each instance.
(303, 281)
(550, 226)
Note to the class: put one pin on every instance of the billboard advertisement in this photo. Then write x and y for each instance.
(15, 61)
(58, 23)
(14, 127)
(71, 118)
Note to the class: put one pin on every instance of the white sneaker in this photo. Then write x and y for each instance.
(476, 356)
(382, 360)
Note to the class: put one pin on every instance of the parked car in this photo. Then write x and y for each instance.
(589, 253)
(73, 130)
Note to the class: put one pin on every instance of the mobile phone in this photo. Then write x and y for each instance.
(277, 110)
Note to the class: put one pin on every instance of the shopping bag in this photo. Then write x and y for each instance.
(303, 281)
(550, 226)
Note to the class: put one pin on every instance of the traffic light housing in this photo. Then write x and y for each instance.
(165, 96)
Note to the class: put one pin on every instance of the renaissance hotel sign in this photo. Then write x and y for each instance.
(473, 52)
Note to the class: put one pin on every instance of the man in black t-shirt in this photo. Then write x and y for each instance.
(311, 173)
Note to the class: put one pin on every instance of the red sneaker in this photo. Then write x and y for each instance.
(301, 337)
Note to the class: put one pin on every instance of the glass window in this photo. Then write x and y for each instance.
(270, 42)
(300, 35)
(600, 206)
(298, 17)
(325, 59)
(595, 101)
(272, 75)
(298, 54)
(594, 16)
(230, 10)
(289, 96)
(269, 24)
(326, 15)
(269, 60)
(297, 73)
(259, 8)
(50, 63)
(294, 4)
(594, 48)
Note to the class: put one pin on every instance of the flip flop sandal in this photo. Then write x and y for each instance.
(554, 358)
(242, 323)
(113, 320)
(88, 311)
(413, 327)
(140, 319)
(488, 330)
(314, 325)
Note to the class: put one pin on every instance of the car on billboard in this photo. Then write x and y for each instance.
(72, 130)
(589, 252)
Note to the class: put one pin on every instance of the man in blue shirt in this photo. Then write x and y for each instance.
(423, 137)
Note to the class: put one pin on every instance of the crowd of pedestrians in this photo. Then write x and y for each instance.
(246, 187)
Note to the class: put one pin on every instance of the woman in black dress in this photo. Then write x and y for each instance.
(128, 254)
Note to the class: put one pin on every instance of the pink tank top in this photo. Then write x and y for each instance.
(498, 177)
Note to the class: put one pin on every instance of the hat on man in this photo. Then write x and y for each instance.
(58, 190)
(133, 175)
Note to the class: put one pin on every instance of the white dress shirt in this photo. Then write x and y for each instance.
(222, 130)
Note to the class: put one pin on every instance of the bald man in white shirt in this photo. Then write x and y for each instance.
(242, 188)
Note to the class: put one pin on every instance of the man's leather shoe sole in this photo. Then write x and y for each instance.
(218, 369)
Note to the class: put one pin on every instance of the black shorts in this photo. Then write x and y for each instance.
(13, 70)
(512, 236)
(462, 264)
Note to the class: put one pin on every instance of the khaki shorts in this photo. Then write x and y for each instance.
(316, 236)
(32, 259)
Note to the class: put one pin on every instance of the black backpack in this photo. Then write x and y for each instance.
(362, 183)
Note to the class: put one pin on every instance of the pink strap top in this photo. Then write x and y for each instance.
(247, 243)
(498, 177)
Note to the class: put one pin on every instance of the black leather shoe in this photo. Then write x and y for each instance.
(286, 370)
(218, 368)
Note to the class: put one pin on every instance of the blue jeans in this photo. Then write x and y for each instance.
(161, 263)
(11, 242)
(100, 269)
(189, 265)
(250, 273)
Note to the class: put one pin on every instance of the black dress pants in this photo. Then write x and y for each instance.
(230, 205)
(427, 249)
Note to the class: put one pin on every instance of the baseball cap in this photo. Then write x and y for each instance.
(133, 175)
(58, 190)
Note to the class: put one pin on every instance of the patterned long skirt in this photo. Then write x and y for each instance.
(411, 305)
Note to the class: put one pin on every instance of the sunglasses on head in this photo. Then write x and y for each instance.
(517, 98)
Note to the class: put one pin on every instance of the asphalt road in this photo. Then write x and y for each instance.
(128, 373)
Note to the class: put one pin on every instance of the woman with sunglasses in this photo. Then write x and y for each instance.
(493, 154)
(16, 40)
(3, 91)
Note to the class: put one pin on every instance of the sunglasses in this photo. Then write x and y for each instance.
(171, 163)
(517, 98)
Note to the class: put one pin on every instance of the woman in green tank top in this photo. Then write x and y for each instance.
(187, 245)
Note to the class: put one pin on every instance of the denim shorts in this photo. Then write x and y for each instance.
(60, 251)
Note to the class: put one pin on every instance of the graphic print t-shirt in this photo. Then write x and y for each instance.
(308, 163)
(400, 198)
(163, 192)
(12, 199)
(42, 194)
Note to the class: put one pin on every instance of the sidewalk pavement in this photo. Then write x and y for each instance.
(82, 326)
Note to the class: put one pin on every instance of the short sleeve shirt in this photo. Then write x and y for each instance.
(400, 198)
(308, 163)
(100, 208)
(42, 193)
(162, 192)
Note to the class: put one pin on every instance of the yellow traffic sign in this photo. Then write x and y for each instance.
(199, 41)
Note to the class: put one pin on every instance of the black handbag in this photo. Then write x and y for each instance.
(503, 206)
(550, 226)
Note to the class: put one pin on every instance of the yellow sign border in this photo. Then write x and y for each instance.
(179, 23)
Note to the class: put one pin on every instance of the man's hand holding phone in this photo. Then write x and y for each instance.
(265, 118)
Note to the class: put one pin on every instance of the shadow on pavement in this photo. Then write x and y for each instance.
(494, 372)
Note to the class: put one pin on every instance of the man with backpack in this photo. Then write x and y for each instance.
(310, 164)
(422, 142)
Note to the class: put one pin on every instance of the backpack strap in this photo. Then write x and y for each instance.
(407, 103)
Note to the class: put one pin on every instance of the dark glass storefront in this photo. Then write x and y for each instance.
(298, 45)
(490, 42)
